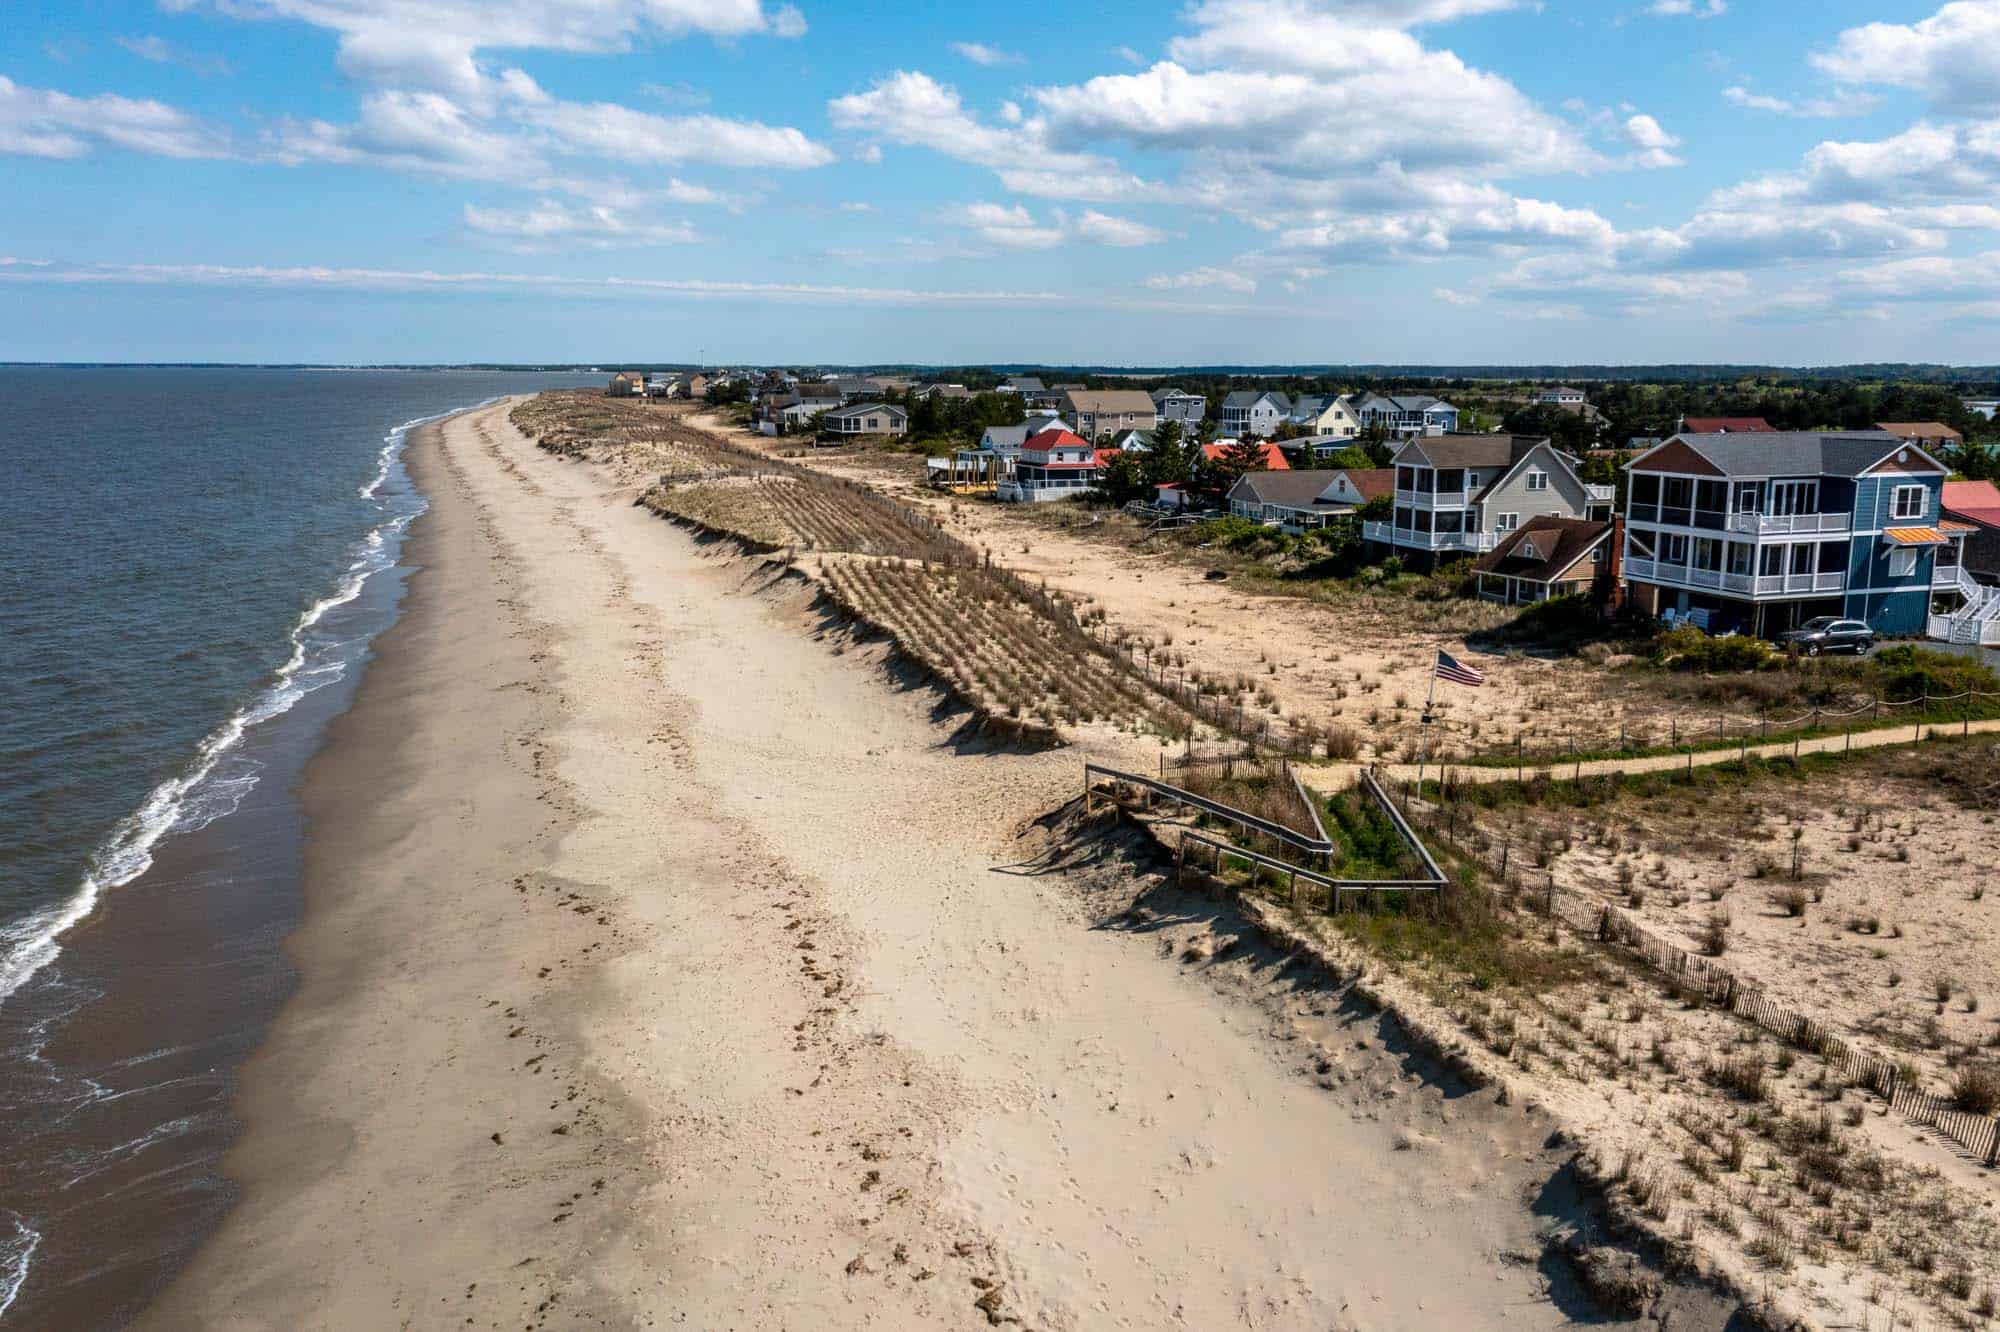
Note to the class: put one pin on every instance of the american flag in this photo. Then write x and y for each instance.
(1452, 669)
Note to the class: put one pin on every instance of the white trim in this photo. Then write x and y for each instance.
(1896, 503)
(1908, 553)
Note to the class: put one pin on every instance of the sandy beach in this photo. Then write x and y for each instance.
(668, 960)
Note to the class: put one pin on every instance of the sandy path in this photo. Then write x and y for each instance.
(816, 1047)
(1339, 776)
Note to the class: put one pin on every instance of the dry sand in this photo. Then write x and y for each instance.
(665, 966)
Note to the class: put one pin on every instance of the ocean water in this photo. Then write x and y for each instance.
(195, 562)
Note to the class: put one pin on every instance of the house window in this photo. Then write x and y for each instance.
(1538, 480)
(1507, 522)
(1909, 502)
(1902, 563)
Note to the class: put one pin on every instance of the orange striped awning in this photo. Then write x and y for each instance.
(1915, 536)
(1948, 526)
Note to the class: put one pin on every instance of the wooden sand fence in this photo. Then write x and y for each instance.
(1977, 1134)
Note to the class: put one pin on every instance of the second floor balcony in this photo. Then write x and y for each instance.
(1433, 499)
(1410, 539)
(1804, 583)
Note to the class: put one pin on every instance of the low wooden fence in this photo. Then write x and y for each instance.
(1977, 1134)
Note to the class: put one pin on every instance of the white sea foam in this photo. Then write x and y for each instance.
(18, 1241)
(216, 780)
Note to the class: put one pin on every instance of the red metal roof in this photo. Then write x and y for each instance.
(1971, 495)
(1056, 439)
(1274, 457)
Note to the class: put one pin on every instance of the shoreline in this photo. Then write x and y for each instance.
(449, 688)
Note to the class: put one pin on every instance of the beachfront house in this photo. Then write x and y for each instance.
(866, 418)
(1100, 412)
(1406, 416)
(627, 384)
(1550, 557)
(1458, 495)
(795, 410)
(1172, 404)
(1299, 498)
(1053, 465)
(992, 460)
(1761, 532)
(1248, 413)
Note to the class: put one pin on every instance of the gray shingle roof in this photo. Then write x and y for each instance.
(1295, 489)
(1794, 452)
(1466, 450)
(1250, 397)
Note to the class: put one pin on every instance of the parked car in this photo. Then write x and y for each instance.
(1827, 633)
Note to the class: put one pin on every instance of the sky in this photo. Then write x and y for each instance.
(1232, 181)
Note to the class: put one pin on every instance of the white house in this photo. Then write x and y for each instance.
(1248, 412)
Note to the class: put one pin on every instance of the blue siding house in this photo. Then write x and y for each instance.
(1766, 531)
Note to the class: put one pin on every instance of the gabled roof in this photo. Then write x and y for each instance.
(1469, 450)
(1372, 482)
(1409, 402)
(862, 408)
(1161, 395)
(1558, 543)
(1251, 397)
(1103, 401)
(1298, 489)
(1273, 456)
(1055, 439)
(1024, 384)
(1730, 425)
(1789, 452)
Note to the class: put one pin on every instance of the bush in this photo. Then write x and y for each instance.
(1559, 620)
(1907, 671)
(1977, 1089)
(1689, 649)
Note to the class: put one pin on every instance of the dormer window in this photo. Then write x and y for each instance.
(1528, 551)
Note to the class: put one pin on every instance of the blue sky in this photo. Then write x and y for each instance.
(1235, 180)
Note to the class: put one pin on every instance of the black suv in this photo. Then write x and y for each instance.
(1826, 633)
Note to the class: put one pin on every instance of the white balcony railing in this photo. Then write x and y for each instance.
(1467, 542)
(1759, 585)
(1766, 524)
(1433, 499)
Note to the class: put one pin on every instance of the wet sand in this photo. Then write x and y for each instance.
(668, 961)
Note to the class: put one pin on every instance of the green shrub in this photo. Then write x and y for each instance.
(1907, 671)
(1570, 619)
(1689, 649)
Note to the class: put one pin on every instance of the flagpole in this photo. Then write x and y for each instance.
(1424, 726)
